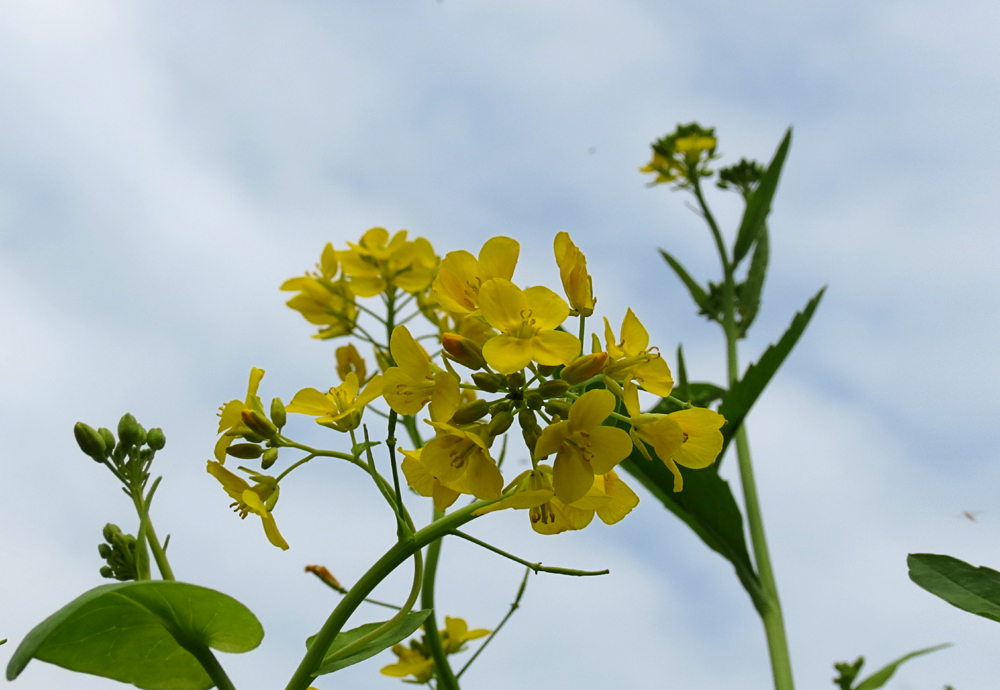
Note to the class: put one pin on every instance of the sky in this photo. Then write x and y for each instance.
(164, 166)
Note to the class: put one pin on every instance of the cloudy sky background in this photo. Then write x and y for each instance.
(165, 166)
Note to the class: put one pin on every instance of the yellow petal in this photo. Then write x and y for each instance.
(703, 440)
(623, 499)
(503, 304)
(498, 257)
(417, 476)
(255, 376)
(408, 354)
(590, 409)
(635, 339)
(252, 500)
(229, 481)
(507, 354)
(371, 391)
(654, 376)
(447, 397)
(609, 338)
(444, 497)
(548, 310)
(230, 416)
(273, 535)
(457, 286)
(366, 286)
(609, 447)
(666, 435)
(404, 394)
(572, 475)
(311, 402)
(631, 399)
(328, 261)
(552, 348)
(439, 453)
(552, 439)
(485, 480)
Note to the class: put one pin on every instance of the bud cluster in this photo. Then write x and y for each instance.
(118, 550)
(130, 456)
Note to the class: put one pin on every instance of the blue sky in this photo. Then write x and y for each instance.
(165, 166)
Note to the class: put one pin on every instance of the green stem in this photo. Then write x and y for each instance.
(208, 662)
(583, 323)
(513, 607)
(393, 558)
(446, 677)
(159, 555)
(537, 567)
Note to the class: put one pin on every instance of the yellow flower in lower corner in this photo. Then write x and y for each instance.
(342, 407)
(583, 447)
(456, 633)
(527, 320)
(259, 499)
(412, 662)
(688, 437)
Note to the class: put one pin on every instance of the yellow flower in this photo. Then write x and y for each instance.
(683, 155)
(526, 320)
(456, 633)
(322, 300)
(408, 386)
(258, 499)
(342, 407)
(632, 358)
(231, 423)
(412, 662)
(688, 437)
(573, 271)
(348, 359)
(426, 484)
(377, 263)
(582, 446)
(457, 285)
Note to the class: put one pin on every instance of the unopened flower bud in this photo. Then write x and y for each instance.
(502, 406)
(488, 383)
(107, 572)
(259, 424)
(515, 380)
(269, 457)
(466, 352)
(109, 439)
(110, 530)
(526, 418)
(583, 368)
(553, 389)
(245, 451)
(533, 400)
(155, 438)
(547, 369)
(105, 550)
(531, 437)
(278, 415)
(128, 430)
(470, 412)
(558, 407)
(90, 441)
(500, 423)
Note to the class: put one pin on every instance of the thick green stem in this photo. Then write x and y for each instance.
(159, 555)
(393, 558)
(208, 662)
(445, 675)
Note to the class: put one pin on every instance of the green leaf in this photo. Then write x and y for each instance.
(750, 290)
(707, 506)
(402, 629)
(681, 389)
(759, 203)
(140, 633)
(744, 393)
(972, 589)
(882, 676)
(698, 293)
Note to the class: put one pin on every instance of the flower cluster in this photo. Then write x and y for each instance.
(578, 412)
(415, 662)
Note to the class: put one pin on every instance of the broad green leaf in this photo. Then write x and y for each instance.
(972, 589)
(741, 397)
(402, 629)
(882, 676)
(140, 633)
(750, 290)
(698, 293)
(759, 203)
(707, 506)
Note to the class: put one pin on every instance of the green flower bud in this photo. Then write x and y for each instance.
(90, 441)
(533, 400)
(558, 407)
(515, 380)
(502, 406)
(546, 370)
(105, 550)
(155, 439)
(526, 418)
(278, 415)
(531, 437)
(110, 531)
(140, 436)
(259, 424)
(128, 430)
(245, 451)
(553, 389)
(472, 411)
(500, 423)
(463, 350)
(107, 572)
(488, 383)
(270, 455)
(109, 439)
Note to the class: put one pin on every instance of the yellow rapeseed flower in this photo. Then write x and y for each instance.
(461, 276)
(408, 386)
(688, 437)
(231, 424)
(348, 359)
(573, 271)
(376, 263)
(632, 359)
(342, 407)
(322, 300)
(426, 484)
(258, 499)
(527, 320)
(456, 633)
(582, 446)
(412, 662)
